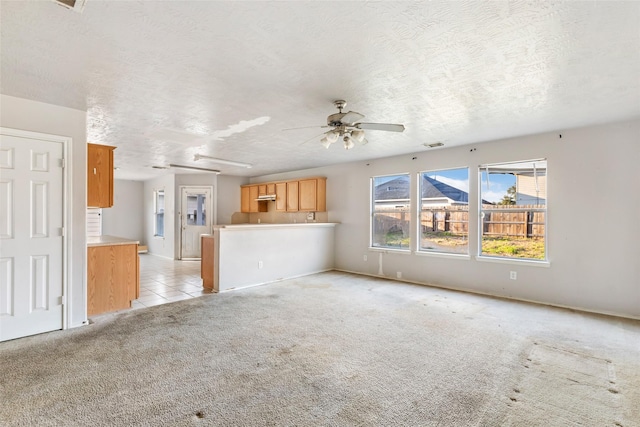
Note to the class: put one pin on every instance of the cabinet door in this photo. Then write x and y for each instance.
(99, 176)
(253, 195)
(271, 189)
(281, 196)
(292, 196)
(244, 199)
(262, 190)
(308, 194)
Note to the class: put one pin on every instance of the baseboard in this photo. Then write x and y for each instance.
(473, 291)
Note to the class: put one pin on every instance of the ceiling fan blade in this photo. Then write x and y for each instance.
(308, 127)
(380, 126)
(311, 139)
(351, 117)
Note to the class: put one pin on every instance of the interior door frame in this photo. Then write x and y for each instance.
(67, 236)
(210, 206)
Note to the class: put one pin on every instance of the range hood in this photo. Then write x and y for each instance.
(267, 198)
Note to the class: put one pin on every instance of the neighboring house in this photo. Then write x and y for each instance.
(396, 193)
(530, 189)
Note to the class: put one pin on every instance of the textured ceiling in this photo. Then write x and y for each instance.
(165, 80)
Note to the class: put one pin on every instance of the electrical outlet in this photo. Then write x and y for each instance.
(260, 264)
(513, 275)
(311, 216)
(364, 257)
(399, 274)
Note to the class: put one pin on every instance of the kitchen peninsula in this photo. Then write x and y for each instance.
(243, 255)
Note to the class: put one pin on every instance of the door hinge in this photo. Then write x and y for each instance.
(63, 163)
(62, 300)
(62, 231)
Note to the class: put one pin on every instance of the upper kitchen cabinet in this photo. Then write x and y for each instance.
(99, 176)
(248, 199)
(281, 196)
(313, 195)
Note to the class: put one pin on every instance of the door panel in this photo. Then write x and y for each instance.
(31, 220)
(196, 210)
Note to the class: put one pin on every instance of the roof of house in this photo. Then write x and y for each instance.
(399, 189)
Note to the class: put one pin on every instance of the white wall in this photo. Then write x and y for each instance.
(229, 197)
(593, 227)
(161, 246)
(284, 252)
(18, 113)
(126, 218)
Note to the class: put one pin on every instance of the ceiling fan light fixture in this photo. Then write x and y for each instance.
(358, 135)
(325, 142)
(348, 143)
(332, 136)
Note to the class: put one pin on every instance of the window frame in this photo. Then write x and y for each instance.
(391, 249)
(480, 233)
(156, 194)
(419, 210)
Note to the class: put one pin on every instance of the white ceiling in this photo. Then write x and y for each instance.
(165, 80)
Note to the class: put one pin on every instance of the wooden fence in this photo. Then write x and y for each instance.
(526, 221)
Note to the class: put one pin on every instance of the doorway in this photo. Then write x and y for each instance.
(196, 212)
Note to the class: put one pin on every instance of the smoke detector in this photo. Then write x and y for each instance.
(75, 5)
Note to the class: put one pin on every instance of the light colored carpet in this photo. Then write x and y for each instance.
(331, 349)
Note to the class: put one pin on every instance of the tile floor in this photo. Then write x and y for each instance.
(164, 280)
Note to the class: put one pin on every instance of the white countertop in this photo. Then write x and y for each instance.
(265, 226)
(109, 240)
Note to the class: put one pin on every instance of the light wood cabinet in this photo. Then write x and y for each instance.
(292, 196)
(304, 195)
(245, 206)
(206, 261)
(313, 195)
(99, 176)
(113, 277)
(248, 202)
(281, 196)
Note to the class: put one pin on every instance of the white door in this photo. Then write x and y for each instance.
(31, 221)
(195, 213)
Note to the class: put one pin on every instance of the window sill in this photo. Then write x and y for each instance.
(158, 237)
(390, 250)
(516, 261)
(443, 255)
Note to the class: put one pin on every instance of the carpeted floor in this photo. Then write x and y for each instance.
(331, 349)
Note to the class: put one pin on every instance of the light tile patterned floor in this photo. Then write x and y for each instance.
(165, 280)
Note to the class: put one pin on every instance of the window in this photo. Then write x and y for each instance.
(391, 212)
(444, 211)
(513, 209)
(158, 213)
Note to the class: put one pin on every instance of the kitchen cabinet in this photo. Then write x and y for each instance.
(281, 196)
(304, 195)
(248, 202)
(99, 176)
(113, 275)
(244, 200)
(292, 196)
(312, 195)
(207, 260)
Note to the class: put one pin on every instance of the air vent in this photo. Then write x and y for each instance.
(433, 145)
(76, 5)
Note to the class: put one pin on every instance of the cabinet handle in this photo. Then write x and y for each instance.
(94, 171)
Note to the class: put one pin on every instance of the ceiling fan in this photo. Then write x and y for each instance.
(348, 127)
